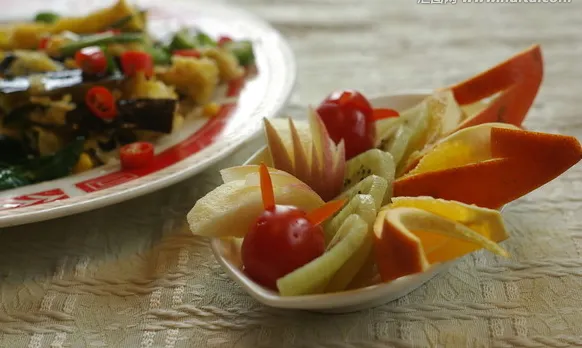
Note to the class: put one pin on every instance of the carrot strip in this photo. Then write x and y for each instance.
(321, 214)
(380, 114)
(267, 193)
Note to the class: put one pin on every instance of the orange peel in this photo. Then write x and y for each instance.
(518, 79)
(408, 239)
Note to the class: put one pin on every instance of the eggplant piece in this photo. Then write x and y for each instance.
(148, 114)
(83, 121)
(7, 63)
(125, 136)
(53, 81)
(121, 136)
(12, 150)
(18, 117)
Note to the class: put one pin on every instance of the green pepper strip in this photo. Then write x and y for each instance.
(99, 40)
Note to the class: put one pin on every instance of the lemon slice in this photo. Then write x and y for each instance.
(414, 232)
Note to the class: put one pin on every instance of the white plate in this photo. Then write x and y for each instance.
(187, 152)
(227, 252)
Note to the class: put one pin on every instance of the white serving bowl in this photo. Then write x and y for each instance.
(227, 252)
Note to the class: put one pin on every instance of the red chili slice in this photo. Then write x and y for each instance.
(187, 53)
(223, 39)
(136, 155)
(91, 60)
(135, 61)
(101, 102)
(42, 45)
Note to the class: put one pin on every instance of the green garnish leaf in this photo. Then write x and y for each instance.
(46, 17)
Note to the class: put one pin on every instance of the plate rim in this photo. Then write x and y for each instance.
(282, 56)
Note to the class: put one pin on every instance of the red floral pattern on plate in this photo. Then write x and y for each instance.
(32, 199)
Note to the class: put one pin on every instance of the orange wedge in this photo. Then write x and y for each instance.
(489, 184)
(490, 171)
(414, 233)
(518, 79)
(466, 146)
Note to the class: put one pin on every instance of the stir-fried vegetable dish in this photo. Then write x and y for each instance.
(75, 90)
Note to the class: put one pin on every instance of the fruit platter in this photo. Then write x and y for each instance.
(367, 199)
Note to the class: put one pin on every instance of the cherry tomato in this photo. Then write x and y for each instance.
(223, 39)
(187, 53)
(134, 61)
(348, 115)
(91, 60)
(281, 240)
(350, 99)
(136, 155)
(101, 102)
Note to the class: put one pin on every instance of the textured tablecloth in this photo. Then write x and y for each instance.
(130, 275)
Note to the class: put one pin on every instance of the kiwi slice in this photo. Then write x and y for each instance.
(315, 276)
(372, 162)
(362, 205)
(372, 185)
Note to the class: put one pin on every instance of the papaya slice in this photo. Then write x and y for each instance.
(518, 79)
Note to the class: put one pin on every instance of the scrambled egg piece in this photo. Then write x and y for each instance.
(226, 61)
(141, 87)
(28, 62)
(194, 77)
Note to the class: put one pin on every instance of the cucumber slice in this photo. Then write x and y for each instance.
(419, 126)
(362, 205)
(398, 143)
(314, 277)
(367, 275)
(352, 267)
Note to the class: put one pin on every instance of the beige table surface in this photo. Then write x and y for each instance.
(131, 276)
